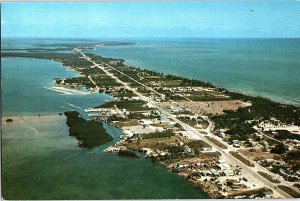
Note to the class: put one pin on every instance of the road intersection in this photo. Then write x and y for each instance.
(193, 132)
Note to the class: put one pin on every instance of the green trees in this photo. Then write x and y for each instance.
(284, 134)
(166, 133)
(278, 149)
(9, 120)
(131, 105)
(89, 133)
(80, 81)
(293, 157)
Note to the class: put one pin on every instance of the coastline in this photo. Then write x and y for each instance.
(45, 142)
(204, 185)
(213, 70)
(31, 126)
(246, 97)
(72, 69)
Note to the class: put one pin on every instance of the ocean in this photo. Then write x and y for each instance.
(259, 67)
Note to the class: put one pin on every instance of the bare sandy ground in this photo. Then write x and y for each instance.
(209, 107)
(257, 154)
(67, 91)
(292, 128)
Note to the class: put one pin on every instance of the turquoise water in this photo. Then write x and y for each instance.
(265, 67)
(41, 161)
(50, 165)
(24, 88)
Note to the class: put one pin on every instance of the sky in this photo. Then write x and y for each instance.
(178, 19)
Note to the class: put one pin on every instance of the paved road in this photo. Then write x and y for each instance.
(194, 133)
(90, 78)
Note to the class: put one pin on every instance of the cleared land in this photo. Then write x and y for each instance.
(153, 143)
(257, 154)
(127, 123)
(213, 107)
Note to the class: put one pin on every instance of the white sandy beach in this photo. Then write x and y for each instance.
(67, 91)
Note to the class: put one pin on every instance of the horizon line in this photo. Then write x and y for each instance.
(86, 38)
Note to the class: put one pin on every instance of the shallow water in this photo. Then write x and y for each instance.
(24, 88)
(41, 161)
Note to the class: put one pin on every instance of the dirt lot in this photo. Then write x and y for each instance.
(154, 143)
(257, 154)
(209, 107)
(199, 159)
(127, 123)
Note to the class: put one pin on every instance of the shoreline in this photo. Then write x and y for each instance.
(249, 92)
(206, 189)
(203, 185)
(30, 134)
(243, 97)
(236, 92)
(19, 119)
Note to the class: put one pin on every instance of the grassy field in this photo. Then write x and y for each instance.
(164, 134)
(127, 123)
(133, 105)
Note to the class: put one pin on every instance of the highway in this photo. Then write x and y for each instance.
(194, 133)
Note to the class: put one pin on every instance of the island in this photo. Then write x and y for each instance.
(89, 133)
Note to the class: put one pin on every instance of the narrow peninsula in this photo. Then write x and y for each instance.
(229, 144)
